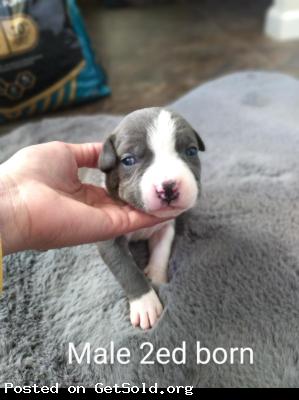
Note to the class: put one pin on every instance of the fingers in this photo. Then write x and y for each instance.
(138, 219)
(86, 154)
(81, 223)
(121, 218)
(91, 224)
(115, 221)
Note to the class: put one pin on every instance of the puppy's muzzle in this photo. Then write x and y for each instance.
(168, 191)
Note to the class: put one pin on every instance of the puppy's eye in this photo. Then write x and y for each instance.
(191, 151)
(128, 161)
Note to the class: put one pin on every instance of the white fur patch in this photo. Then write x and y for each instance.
(160, 248)
(161, 135)
(144, 233)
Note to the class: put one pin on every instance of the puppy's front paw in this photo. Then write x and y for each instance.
(145, 310)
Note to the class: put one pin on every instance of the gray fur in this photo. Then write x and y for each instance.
(118, 257)
(234, 269)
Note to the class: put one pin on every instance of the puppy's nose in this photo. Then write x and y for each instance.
(168, 191)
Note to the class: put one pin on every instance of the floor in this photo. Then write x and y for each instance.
(155, 53)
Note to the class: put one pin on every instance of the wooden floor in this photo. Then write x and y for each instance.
(156, 53)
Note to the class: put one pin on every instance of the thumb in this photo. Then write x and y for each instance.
(86, 154)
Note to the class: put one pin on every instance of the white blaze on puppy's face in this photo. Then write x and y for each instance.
(167, 166)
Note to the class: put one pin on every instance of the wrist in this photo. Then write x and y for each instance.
(9, 211)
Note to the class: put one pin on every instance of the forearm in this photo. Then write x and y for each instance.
(9, 230)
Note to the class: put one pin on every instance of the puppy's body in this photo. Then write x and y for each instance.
(151, 162)
(145, 233)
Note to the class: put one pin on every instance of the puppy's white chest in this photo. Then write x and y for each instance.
(145, 233)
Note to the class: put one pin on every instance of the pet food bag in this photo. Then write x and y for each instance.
(46, 61)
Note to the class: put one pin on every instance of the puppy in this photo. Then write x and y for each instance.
(151, 162)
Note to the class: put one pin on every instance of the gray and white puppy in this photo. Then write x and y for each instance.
(151, 162)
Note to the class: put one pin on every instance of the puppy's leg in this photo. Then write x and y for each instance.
(160, 247)
(145, 306)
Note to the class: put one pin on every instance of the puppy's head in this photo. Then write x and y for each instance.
(151, 162)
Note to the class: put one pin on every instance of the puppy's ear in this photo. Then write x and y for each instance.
(201, 145)
(108, 158)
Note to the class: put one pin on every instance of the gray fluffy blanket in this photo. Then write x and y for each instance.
(234, 268)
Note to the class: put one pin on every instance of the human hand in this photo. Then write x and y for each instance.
(44, 205)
